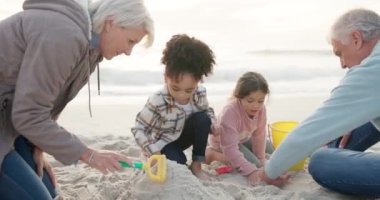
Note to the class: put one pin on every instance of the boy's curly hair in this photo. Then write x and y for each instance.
(184, 54)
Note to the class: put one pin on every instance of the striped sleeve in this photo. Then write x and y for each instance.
(146, 120)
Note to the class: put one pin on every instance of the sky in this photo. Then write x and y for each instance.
(235, 29)
(267, 23)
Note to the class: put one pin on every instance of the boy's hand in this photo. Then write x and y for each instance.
(216, 129)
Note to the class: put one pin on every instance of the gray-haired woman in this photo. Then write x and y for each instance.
(48, 52)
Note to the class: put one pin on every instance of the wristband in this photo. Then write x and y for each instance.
(91, 156)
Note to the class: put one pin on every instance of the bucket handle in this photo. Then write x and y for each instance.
(270, 135)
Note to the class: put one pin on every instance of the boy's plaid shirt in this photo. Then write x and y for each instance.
(160, 122)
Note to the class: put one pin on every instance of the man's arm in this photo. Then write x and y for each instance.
(354, 102)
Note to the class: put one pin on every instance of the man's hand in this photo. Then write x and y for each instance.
(42, 164)
(259, 175)
(344, 141)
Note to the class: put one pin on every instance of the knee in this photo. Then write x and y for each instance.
(318, 164)
(181, 159)
(174, 155)
(21, 141)
(201, 118)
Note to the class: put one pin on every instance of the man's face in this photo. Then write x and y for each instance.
(347, 53)
(354, 52)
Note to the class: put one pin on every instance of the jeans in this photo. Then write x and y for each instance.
(18, 178)
(349, 170)
(195, 133)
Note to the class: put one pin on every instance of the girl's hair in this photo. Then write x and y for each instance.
(184, 54)
(125, 13)
(365, 21)
(250, 82)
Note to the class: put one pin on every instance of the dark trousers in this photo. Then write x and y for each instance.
(349, 170)
(18, 178)
(195, 133)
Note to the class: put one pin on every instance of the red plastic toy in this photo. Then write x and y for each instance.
(223, 169)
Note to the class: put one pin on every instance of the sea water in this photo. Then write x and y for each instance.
(285, 41)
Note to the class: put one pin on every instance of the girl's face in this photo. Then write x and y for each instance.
(253, 102)
(183, 88)
(116, 40)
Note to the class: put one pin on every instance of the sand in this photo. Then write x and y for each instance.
(109, 129)
(82, 182)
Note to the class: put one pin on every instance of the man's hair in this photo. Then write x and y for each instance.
(124, 13)
(365, 21)
(184, 54)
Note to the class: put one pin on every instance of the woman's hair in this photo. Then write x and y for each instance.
(184, 54)
(250, 82)
(365, 21)
(125, 13)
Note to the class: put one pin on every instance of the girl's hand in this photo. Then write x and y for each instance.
(263, 162)
(104, 161)
(253, 178)
(41, 164)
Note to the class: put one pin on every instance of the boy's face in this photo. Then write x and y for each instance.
(183, 88)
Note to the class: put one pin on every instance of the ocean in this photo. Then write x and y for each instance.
(285, 41)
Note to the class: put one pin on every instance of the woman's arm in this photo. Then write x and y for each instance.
(48, 61)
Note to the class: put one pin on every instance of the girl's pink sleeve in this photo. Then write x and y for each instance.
(259, 136)
(230, 143)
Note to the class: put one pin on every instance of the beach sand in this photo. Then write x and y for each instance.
(109, 129)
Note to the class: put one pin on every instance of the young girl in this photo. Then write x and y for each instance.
(178, 116)
(242, 140)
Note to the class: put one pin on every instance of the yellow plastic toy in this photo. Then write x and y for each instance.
(159, 165)
(279, 132)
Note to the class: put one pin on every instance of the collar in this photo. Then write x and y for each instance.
(170, 100)
(94, 40)
(166, 95)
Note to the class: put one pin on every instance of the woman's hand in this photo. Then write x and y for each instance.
(259, 175)
(42, 164)
(104, 161)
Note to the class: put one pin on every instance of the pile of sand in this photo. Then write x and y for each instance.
(82, 182)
